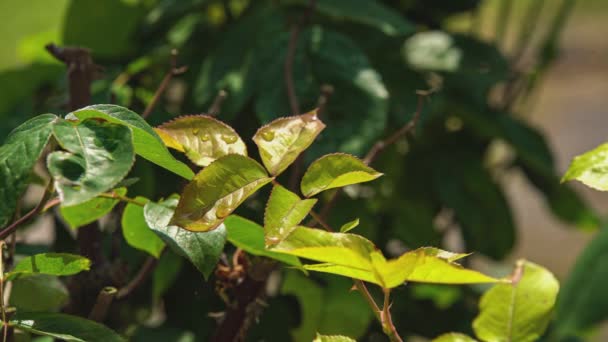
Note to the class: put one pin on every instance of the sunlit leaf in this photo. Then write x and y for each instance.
(348, 226)
(203, 249)
(520, 311)
(332, 338)
(202, 138)
(136, 231)
(99, 155)
(591, 168)
(354, 256)
(372, 13)
(38, 292)
(249, 236)
(281, 141)
(334, 171)
(84, 213)
(18, 155)
(454, 337)
(146, 142)
(217, 190)
(64, 327)
(284, 211)
(58, 264)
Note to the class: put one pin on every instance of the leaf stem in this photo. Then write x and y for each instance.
(40, 207)
(321, 221)
(114, 195)
(387, 320)
(173, 71)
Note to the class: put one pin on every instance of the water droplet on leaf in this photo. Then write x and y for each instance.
(229, 139)
(268, 135)
(195, 131)
(222, 211)
(205, 137)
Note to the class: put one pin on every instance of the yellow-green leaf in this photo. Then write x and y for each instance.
(349, 226)
(202, 138)
(332, 338)
(59, 264)
(284, 211)
(335, 171)
(519, 311)
(454, 337)
(136, 230)
(217, 191)
(281, 141)
(84, 213)
(591, 168)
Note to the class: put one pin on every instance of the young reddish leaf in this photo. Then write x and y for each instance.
(202, 138)
(84, 213)
(334, 171)
(217, 191)
(146, 142)
(284, 211)
(281, 141)
(136, 230)
(100, 154)
(18, 155)
(519, 311)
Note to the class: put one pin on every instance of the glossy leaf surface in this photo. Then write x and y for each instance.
(18, 156)
(38, 292)
(591, 168)
(202, 138)
(64, 327)
(99, 155)
(203, 249)
(281, 141)
(335, 171)
(90, 211)
(145, 141)
(284, 211)
(58, 264)
(348, 226)
(332, 338)
(520, 311)
(249, 236)
(136, 231)
(217, 190)
(454, 337)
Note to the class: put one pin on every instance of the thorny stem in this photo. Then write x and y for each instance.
(387, 320)
(173, 71)
(32, 213)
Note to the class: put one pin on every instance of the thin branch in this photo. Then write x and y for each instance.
(217, 103)
(103, 303)
(291, 54)
(326, 91)
(360, 285)
(387, 320)
(173, 71)
(31, 214)
(321, 221)
(114, 195)
(139, 278)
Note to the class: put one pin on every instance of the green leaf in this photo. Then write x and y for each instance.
(90, 211)
(136, 231)
(218, 190)
(349, 226)
(590, 168)
(38, 292)
(18, 155)
(365, 12)
(354, 256)
(284, 211)
(454, 337)
(335, 171)
(100, 154)
(331, 309)
(64, 327)
(520, 311)
(202, 138)
(583, 299)
(59, 264)
(203, 249)
(146, 142)
(249, 236)
(332, 338)
(281, 141)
